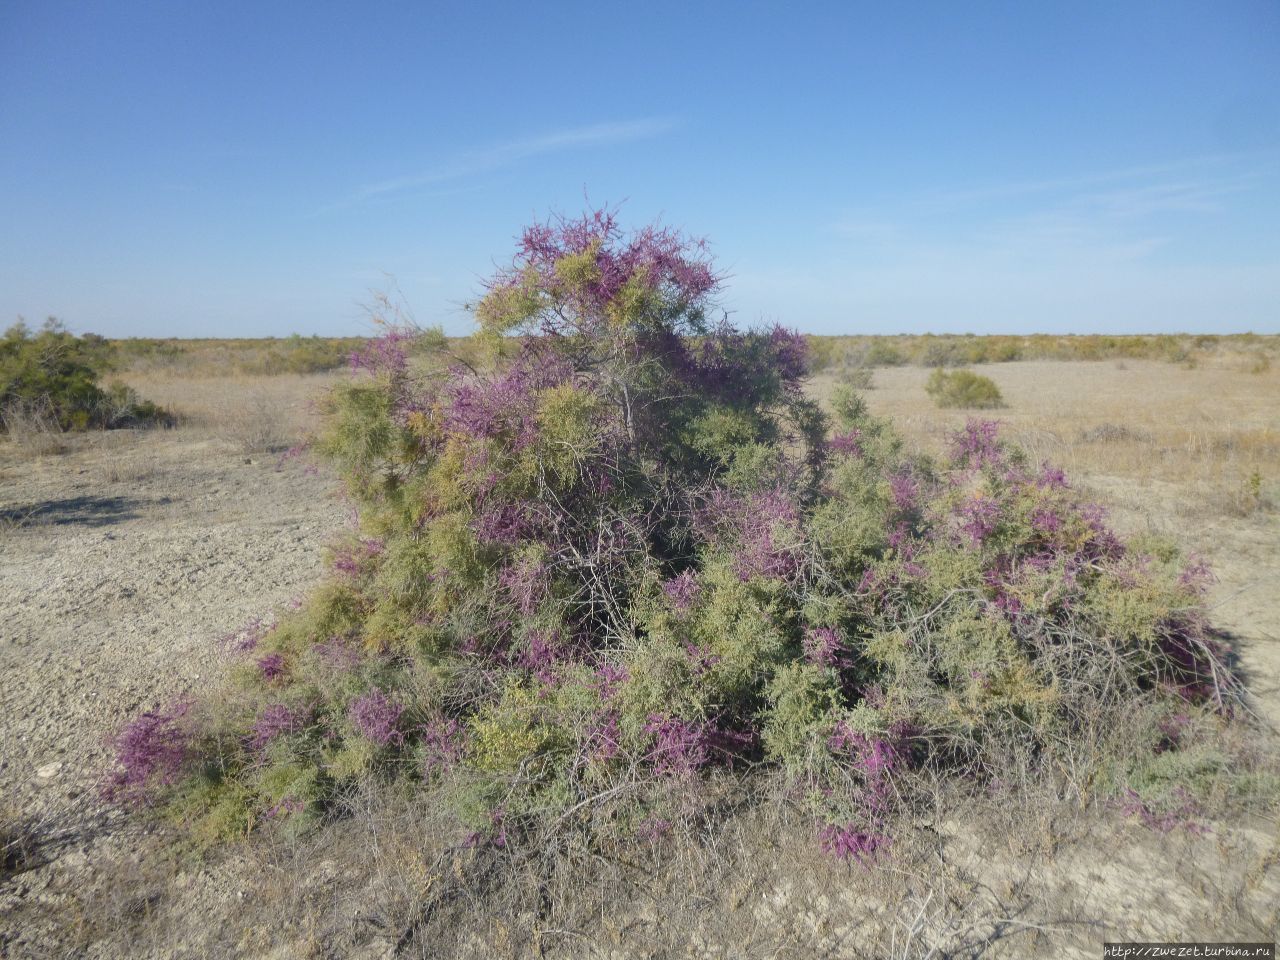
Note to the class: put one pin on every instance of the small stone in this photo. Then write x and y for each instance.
(49, 770)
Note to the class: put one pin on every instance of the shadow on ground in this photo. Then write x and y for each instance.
(78, 511)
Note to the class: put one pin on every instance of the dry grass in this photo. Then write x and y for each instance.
(966, 878)
(31, 430)
(253, 414)
(1210, 434)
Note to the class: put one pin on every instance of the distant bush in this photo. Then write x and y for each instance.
(53, 376)
(611, 582)
(945, 353)
(824, 352)
(1115, 433)
(882, 353)
(859, 378)
(964, 389)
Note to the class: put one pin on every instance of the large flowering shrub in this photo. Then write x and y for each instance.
(629, 560)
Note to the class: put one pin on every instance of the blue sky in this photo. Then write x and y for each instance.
(228, 169)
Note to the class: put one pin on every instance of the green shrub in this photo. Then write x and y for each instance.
(55, 374)
(883, 354)
(964, 389)
(630, 562)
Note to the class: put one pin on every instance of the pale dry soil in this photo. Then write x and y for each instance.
(125, 559)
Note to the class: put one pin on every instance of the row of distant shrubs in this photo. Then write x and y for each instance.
(268, 356)
(942, 350)
(301, 355)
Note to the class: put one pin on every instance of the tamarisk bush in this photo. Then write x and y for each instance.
(628, 565)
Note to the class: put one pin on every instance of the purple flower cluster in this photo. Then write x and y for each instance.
(847, 842)
(1103, 542)
(272, 666)
(543, 650)
(276, 720)
(875, 758)
(1197, 575)
(653, 829)
(150, 751)
(1046, 520)
(443, 742)
(384, 354)
(750, 523)
(847, 444)
(1183, 816)
(247, 637)
(679, 746)
(822, 647)
(789, 354)
(505, 524)
(1052, 478)
(662, 260)
(746, 366)
(904, 491)
(609, 677)
(505, 404)
(682, 590)
(977, 444)
(603, 736)
(980, 516)
(376, 717)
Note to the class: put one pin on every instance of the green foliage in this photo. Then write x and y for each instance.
(964, 389)
(627, 557)
(57, 373)
(882, 353)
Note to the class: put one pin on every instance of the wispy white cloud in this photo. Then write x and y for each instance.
(497, 156)
(1152, 247)
(1187, 167)
(1118, 215)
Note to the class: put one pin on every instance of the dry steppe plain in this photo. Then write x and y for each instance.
(126, 557)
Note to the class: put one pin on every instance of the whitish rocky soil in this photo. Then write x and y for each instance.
(122, 563)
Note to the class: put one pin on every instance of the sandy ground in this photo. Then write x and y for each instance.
(124, 562)
(125, 559)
